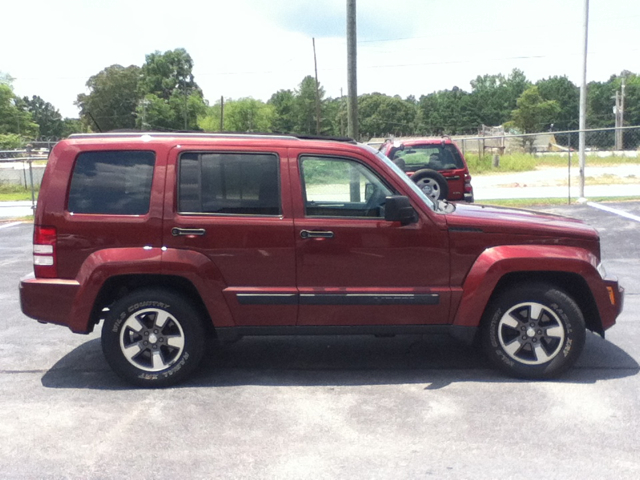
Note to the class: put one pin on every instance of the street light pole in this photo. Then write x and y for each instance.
(583, 102)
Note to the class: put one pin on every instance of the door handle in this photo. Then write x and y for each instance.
(187, 232)
(316, 234)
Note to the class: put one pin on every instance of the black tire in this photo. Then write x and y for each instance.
(432, 183)
(533, 331)
(167, 332)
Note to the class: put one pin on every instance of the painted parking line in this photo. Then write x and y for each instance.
(7, 225)
(615, 211)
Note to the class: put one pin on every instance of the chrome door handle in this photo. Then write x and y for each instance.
(187, 232)
(315, 234)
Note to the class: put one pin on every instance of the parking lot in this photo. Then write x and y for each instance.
(323, 407)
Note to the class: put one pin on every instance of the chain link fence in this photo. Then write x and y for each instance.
(21, 173)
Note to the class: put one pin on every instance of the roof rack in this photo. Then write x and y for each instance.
(182, 133)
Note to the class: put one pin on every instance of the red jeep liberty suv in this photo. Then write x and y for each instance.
(436, 165)
(171, 238)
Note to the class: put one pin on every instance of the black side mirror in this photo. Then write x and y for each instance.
(397, 208)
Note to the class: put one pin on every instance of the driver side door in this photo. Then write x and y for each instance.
(353, 267)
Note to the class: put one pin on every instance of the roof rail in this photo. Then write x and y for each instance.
(138, 133)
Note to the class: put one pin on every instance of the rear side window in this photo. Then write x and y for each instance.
(112, 182)
(229, 183)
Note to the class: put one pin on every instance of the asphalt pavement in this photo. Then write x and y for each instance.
(322, 407)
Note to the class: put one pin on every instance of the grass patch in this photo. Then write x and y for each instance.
(15, 193)
(541, 202)
(523, 162)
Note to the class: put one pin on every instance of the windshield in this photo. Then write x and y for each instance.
(403, 177)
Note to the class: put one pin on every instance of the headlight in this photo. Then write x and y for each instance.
(601, 270)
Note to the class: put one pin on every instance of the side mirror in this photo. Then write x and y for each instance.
(397, 208)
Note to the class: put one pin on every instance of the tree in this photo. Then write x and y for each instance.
(112, 99)
(6, 79)
(381, 115)
(248, 115)
(171, 97)
(46, 116)
(306, 106)
(494, 97)
(567, 95)
(284, 109)
(533, 114)
(14, 117)
(448, 112)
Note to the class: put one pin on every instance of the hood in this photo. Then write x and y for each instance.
(489, 219)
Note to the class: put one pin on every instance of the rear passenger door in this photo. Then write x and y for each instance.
(229, 209)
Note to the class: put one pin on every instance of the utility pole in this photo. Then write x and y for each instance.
(222, 113)
(620, 114)
(583, 102)
(352, 77)
(315, 64)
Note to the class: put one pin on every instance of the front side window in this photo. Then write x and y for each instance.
(112, 182)
(229, 184)
(336, 187)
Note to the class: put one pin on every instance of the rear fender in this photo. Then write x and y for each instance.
(116, 262)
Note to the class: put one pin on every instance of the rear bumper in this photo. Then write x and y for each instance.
(51, 301)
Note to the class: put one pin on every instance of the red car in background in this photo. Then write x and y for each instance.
(436, 165)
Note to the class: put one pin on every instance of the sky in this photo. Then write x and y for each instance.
(253, 48)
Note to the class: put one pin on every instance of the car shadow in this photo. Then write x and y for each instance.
(436, 361)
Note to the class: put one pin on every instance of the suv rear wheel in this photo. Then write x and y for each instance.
(533, 331)
(153, 338)
(432, 183)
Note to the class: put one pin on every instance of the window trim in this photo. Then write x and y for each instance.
(303, 185)
(227, 215)
(73, 213)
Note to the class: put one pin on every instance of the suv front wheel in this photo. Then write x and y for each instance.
(153, 338)
(533, 331)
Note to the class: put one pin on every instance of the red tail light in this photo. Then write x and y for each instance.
(467, 183)
(44, 252)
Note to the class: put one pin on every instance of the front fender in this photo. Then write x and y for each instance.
(494, 263)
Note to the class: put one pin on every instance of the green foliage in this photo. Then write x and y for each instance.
(72, 125)
(567, 96)
(519, 162)
(533, 114)
(284, 105)
(6, 79)
(46, 116)
(10, 141)
(447, 112)
(494, 97)
(305, 113)
(170, 97)
(14, 193)
(14, 117)
(382, 114)
(112, 99)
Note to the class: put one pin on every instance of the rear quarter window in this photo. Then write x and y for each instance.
(112, 182)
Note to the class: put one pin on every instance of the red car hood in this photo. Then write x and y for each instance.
(515, 221)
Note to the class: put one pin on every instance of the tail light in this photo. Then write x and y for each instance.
(467, 183)
(44, 252)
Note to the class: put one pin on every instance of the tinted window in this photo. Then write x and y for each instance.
(434, 156)
(229, 183)
(335, 187)
(113, 182)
